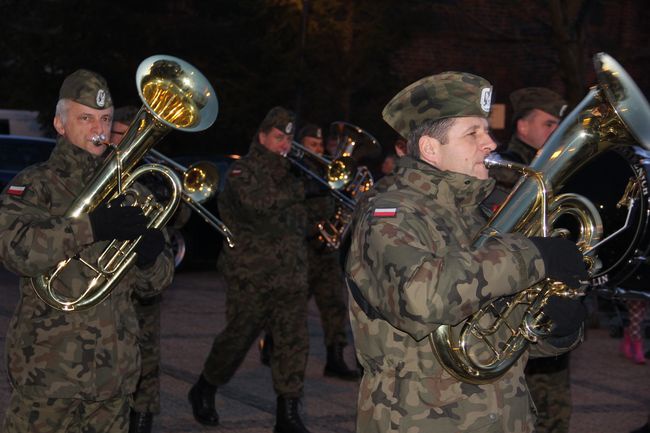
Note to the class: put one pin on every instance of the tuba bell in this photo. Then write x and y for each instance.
(175, 95)
(559, 195)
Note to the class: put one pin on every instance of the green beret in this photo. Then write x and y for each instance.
(279, 118)
(449, 94)
(528, 98)
(310, 130)
(87, 88)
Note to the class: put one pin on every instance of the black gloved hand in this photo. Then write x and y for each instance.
(566, 314)
(562, 260)
(117, 222)
(149, 248)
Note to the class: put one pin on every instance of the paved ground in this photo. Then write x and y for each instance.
(610, 394)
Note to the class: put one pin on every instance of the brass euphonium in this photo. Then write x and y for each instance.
(614, 116)
(175, 95)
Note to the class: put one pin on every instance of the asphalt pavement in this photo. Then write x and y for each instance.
(610, 394)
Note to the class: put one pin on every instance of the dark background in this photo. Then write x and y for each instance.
(327, 59)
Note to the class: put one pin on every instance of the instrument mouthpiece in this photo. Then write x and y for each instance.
(98, 139)
(494, 160)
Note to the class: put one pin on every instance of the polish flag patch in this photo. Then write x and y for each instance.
(235, 172)
(16, 190)
(385, 212)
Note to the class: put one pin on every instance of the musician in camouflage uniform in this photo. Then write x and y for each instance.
(325, 276)
(412, 267)
(73, 371)
(536, 114)
(263, 204)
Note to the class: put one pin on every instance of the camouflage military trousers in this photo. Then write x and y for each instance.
(549, 384)
(147, 394)
(278, 305)
(326, 285)
(69, 415)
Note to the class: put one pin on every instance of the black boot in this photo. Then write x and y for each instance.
(266, 348)
(201, 398)
(336, 366)
(287, 417)
(140, 422)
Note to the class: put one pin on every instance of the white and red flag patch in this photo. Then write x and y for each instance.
(16, 190)
(235, 172)
(385, 212)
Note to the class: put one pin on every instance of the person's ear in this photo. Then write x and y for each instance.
(58, 125)
(429, 149)
(522, 127)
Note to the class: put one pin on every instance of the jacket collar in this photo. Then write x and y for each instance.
(521, 149)
(73, 162)
(455, 188)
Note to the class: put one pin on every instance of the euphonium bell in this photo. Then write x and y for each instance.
(175, 95)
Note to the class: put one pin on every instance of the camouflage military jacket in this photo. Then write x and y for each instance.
(263, 205)
(91, 354)
(412, 260)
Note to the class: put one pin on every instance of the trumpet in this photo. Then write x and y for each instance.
(199, 182)
(343, 177)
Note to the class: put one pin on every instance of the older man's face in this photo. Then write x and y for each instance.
(81, 124)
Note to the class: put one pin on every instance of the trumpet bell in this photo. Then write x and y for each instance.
(176, 93)
(201, 181)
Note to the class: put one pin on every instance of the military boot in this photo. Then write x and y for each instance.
(266, 349)
(336, 366)
(201, 398)
(287, 416)
(140, 422)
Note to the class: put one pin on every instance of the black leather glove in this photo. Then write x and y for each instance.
(566, 314)
(117, 222)
(562, 260)
(149, 248)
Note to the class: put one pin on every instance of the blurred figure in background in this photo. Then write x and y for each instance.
(263, 204)
(146, 399)
(325, 276)
(632, 344)
(537, 112)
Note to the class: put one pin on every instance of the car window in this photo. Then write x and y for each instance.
(18, 154)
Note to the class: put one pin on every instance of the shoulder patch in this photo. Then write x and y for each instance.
(235, 172)
(16, 190)
(384, 212)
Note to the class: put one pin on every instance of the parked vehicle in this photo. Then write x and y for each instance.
(18, 152)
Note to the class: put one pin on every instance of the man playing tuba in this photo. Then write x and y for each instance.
(411, 268)
(74, 370)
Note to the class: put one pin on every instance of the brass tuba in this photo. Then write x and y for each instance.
(611, 233)
(175, 95)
